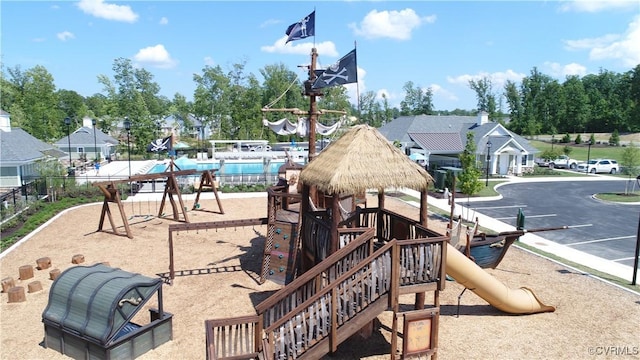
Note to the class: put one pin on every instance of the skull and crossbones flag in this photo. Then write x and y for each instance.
(158, 145)
(345, 71)
(303, 28)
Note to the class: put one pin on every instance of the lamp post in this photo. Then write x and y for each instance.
(127, 126)
(552, 141)
(588, 156)
(67, 122)
(636, 257)
(95, 146)
(488, 161)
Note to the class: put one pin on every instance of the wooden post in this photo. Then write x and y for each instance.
(34, 286)
(53, 274)
(77, 259)
(7, 283)
(16, 294)
(43, 263)
(26, 272)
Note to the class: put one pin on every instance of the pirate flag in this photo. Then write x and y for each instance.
(345, 71)
(158, 145)
(303, 28)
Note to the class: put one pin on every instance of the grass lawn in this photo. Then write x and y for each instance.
(581, 152)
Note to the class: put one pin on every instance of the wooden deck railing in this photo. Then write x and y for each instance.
(324, 306)
(318, 277)
(234, 338)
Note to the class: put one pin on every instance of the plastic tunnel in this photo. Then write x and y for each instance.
(496, 293)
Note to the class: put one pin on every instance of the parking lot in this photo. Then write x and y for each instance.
(603, 229)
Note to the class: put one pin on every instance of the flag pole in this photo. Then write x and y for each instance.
(355, 46)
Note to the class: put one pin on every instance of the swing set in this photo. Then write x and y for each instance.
(112, 195)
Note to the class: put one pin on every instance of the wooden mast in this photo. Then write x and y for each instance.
(313, 106)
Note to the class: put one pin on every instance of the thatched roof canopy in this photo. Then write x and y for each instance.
(363, 159)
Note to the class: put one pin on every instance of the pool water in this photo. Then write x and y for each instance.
(230, 168)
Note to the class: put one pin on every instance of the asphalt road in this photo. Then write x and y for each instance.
(607, 230)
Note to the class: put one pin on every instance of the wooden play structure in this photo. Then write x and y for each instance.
(352, 266)
(112, 195)
(281, 242)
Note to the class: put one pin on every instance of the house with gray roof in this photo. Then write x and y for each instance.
(20, 154)
(88, 143)
(441, 139)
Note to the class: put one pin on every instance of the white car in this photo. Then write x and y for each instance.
(599, 166)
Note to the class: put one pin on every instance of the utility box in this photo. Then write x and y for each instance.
(440, 176)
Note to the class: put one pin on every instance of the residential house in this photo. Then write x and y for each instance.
(88, 143)
(21, 153)
(442, 138)
(177, 125)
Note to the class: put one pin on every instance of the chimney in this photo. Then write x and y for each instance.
(87, 122)
(5, 121)
(483, 118)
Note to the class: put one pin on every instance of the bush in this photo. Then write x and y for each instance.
(578, 140)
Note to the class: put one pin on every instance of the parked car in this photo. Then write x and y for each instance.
(561, 162)
(599, 166)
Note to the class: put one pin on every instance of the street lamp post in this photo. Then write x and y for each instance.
(488, 161)
(67, 121)
(127, 126)
(588, 156)
(552, 141)
(95, 146)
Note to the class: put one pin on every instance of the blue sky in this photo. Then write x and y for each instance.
(435, 44)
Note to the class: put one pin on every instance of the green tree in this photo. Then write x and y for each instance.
(592, 139)
(614, 139)
(417, 101)
(210, 100)
(485, 97)
(578, 139)
(468, 179)
(567, 150)
(631, 160)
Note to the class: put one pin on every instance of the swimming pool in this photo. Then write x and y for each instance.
(228, 168)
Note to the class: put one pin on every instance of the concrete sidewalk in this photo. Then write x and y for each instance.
(531, 239)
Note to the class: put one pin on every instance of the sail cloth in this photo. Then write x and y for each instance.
(301, 128)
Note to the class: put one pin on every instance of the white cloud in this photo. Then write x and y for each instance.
(65, 35)
(100, 9)
(164, 21)
(269, 22)
(441, 92)
(560, 72)
(498, 79)
(156, 56)
(597, 5)
(208, 60)
(327, 48)
(390, 24)
(622, 47)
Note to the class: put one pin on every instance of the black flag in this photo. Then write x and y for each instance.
(160, 145)
(345, 71)
(303, 28)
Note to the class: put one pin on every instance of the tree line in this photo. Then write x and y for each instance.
(230, 102)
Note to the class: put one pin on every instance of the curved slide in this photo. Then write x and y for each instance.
(492, 290)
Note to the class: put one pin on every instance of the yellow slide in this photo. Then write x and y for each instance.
(474, 278)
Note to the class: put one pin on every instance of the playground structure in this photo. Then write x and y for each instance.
(112, 195)
(352, 268)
